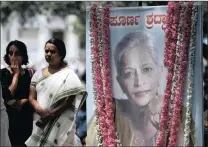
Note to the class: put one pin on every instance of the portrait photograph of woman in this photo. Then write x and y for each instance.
(138, 82)
(139, 76)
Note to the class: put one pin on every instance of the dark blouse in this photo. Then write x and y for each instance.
(20, 122)
(22, 91)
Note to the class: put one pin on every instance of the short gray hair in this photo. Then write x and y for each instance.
(135, 39)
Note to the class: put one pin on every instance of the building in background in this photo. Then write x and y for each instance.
(39, 29)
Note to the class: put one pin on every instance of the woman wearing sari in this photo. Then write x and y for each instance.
(56, 93)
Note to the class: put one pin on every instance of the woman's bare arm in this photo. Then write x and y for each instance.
(33, 98)
(33, 101)
(13, 86)
(16, 71)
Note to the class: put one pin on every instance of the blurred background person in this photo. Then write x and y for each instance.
(81, 122)
(4, 124)
(81, 126)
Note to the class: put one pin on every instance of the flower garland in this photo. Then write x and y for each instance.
(174, 66)
(168, 54)
(191, 61)
(109, 108)
(175, 59)
(98, 129)
(100, 39)
(181, 74)
(169, 57)
(100, 50)
(98, 91)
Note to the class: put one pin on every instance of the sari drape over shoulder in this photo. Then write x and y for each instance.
(51, 90)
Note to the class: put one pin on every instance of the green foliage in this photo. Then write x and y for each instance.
(28, 9)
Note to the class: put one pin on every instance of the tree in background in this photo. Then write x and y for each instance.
(29, 9)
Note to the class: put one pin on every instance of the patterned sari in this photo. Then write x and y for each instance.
(50, 91)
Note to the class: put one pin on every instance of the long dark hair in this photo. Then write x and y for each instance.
(22, 49)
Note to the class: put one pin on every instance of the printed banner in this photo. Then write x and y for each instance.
(139, 76)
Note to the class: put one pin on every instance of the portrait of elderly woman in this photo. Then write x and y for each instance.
(139, 74)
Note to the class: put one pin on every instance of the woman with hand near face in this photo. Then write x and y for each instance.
(56, 94)
(15, 91)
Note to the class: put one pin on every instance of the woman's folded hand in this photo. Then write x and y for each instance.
(19, 104)
(45, 114)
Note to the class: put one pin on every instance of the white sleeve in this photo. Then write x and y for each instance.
(36, 76)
